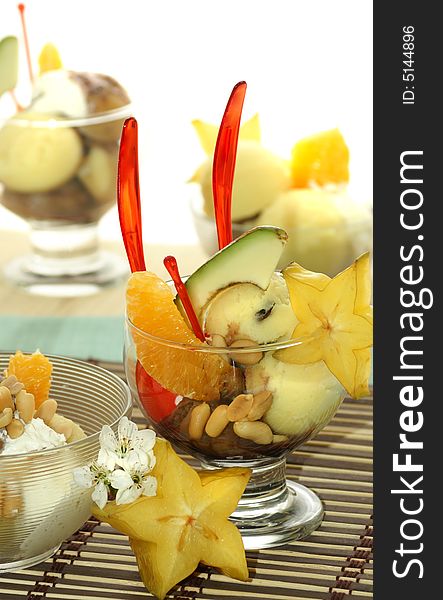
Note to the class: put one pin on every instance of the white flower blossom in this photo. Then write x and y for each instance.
(131, 485)
(96, 476)
(129, 448)
(122, 467)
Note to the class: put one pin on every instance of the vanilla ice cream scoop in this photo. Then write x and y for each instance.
(304, 397)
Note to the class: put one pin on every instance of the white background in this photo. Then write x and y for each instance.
(308, 65)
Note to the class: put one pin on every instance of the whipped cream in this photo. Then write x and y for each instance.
(36, 436)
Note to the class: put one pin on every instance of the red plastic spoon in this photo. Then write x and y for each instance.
(172, 268)
(224, 163)
(128, 196)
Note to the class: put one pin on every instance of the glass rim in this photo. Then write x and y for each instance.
(88, 439)
(55, 121)
(269, 346)
(244, 226)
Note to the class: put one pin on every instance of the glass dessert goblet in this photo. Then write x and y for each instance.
(59, 174)
(238, 406)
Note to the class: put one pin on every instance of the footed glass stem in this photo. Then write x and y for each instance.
(273, 511)
(66, 261)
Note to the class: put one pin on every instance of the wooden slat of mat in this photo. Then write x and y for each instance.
(334, 563)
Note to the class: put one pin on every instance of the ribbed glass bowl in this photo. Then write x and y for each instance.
(40, 504)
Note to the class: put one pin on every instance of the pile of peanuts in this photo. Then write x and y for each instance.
(245, 412)
(14, 399)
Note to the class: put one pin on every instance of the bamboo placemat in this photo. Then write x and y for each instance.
(335, 562)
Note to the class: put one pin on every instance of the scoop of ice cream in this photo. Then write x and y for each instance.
(321, 225)
(304, 397)
(36, 156)
(259, 178)
(36, 436)
(245, 311)
(58, 92)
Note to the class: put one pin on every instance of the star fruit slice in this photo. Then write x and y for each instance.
(335, 318)
(186, 523)
(207, 133)
(49, 59)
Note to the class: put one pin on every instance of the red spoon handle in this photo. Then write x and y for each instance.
(128, 196)
(171, 266)
(224, 163)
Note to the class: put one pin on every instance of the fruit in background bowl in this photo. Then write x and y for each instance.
(58, 154)
(306, 195)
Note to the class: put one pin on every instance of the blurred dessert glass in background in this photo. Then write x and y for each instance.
(58, 168)
(306, 195)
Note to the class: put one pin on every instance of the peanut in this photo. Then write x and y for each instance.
(25, 404)
(247, 358)
(256, 431)
(5, 398)
(218, 341)
(16, 387)
(199, 417)
(15, 429)
(61, 425)
(240, 407)
(5, 417)
(9, 381)
(277, 439)
(261, 403)
(46, 410)
(217, 421)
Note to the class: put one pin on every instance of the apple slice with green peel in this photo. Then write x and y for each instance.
(8, 63)
(251, 258)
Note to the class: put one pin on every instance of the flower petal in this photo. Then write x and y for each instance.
(100, 495)
(149, 486)
(126, 429)
(120, 479)
(83, 477)
(128, 495)
(107, 438)
(146, 439)
(107, 458)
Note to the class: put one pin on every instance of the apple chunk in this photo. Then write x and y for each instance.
(245, 311)
(251, 258)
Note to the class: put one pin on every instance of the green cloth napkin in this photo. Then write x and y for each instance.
(80, 337)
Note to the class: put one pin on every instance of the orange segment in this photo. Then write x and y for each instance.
(320, 159)
(34, 371)
(151, 308)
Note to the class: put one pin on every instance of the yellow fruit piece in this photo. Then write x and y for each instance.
(186, 523)
(151, 308)
(207, 133)
(335, 318)
(49, 59)
(320, 159)
(34, 371)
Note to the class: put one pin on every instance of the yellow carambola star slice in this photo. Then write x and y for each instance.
(186, 523)
(335, 318)
(207, 133)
